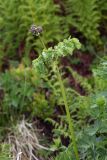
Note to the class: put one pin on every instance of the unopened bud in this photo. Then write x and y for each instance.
(36, 30)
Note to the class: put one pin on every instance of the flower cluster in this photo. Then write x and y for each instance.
(35, 30)
(49, 55)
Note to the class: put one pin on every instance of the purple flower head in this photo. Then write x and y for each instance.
(36, 30)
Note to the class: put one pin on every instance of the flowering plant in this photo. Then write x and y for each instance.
(49, 56)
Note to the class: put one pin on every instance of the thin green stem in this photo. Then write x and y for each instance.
(43, 44)
(69, 119)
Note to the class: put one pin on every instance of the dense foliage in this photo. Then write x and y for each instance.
(85, 17)
(53, 88)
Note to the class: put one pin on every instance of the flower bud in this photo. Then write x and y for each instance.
(36, 30)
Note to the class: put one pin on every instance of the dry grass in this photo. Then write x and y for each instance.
(24, 142)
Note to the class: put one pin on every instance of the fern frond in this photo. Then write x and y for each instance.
(66, 155)
(81, 80)
(16, 19)
(60, 129)
(85, 16)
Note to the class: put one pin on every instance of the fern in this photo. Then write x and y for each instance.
(85, 16)
(81, 80)
(102, 5)
(17, 17)
(60, 129)
(66, 155)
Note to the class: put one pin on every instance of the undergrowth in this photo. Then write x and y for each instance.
(16, 19)
(36, 92)
(82, 19)
(42, 114)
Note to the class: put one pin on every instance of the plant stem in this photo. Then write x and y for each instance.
(42, 42)
(69, 119)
